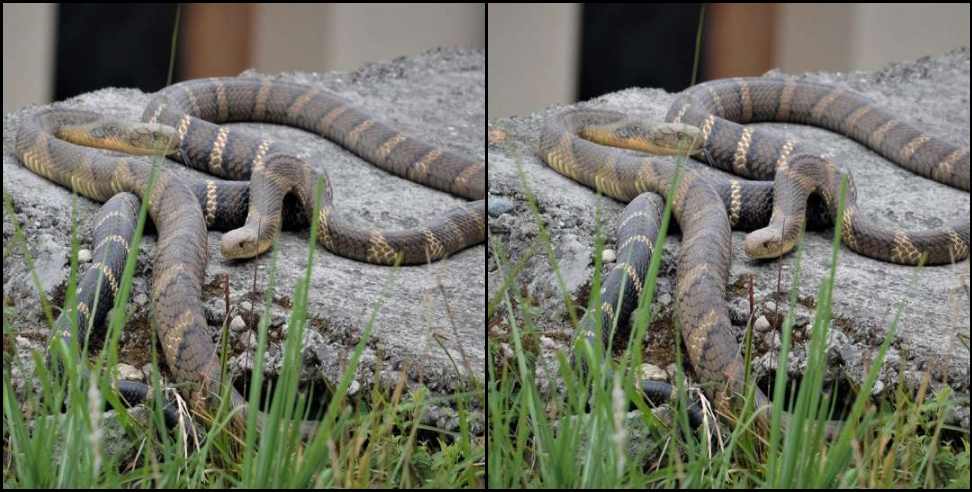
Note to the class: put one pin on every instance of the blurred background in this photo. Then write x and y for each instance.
(544, 54)
(55, 51)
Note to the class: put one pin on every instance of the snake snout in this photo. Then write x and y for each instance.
(767, 242)
(239, 244)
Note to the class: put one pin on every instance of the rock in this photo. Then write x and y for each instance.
(498, 206)
(129, 372)
(739, 311)
(84, 255)
(927, 92)
(762, 325)
(237, 325)
(608, 256)
(653, 373)
(248, 340)
(664, 299)
(438, 96)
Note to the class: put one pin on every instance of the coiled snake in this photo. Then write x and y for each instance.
(706, 208)
(182, 120)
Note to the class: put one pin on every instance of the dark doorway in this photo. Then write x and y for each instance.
(637, 45)
(112, 45)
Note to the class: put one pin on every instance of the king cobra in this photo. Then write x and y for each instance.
(705, 120)
(182, 120)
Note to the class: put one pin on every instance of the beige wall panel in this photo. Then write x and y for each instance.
(321, 37)
(813, 37)
(532, 60)
(28, 54)
(898, 32)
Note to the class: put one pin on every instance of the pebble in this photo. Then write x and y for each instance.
(608, 256)
(128, 372)
(652, 373)
(237, 324)
(499, 206)
(762, 325)
(84, 255)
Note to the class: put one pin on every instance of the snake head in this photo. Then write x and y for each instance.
(652, 137)
(129, 137)
(659, 138)
(678, 139)
(152, 139)
(245, 242)
(768, 242)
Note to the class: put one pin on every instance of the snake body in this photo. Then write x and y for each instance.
(182, 208)
(707, 207)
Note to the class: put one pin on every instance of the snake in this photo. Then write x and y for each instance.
(707, 121)
(183, 121)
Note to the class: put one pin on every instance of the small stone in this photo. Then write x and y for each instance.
(547, 343)
(664, 299)
(608, 256)
(762, 325)
(770, 307)
(652, 373)
(128, 372)
(878, 387)
(246, 306)
(278, 318)
(249, 340)
(353, 387)
(739, 311)
(237, 324)
(499, 206)
(84, 255)
(141, 299)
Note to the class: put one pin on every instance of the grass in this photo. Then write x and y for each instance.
(60, 437)
(57, 438)
(585, 437)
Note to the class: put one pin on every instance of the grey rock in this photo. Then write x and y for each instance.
(437, 96)
(499, 206)
(653, 373)
(129, 372)
(84, 255)
(762, 325)
(608, 256)
(237, 325)
(739, 311)
(932, 92)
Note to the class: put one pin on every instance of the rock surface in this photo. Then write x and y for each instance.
(932, 92)
(430, 319)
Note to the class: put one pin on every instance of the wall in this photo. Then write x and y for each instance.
(532, 47)
(280, 37)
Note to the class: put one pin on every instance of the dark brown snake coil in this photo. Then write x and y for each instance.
(182, 209)
(706, 209)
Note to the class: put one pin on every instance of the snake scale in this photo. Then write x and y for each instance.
(706, 208)
(183, 120)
